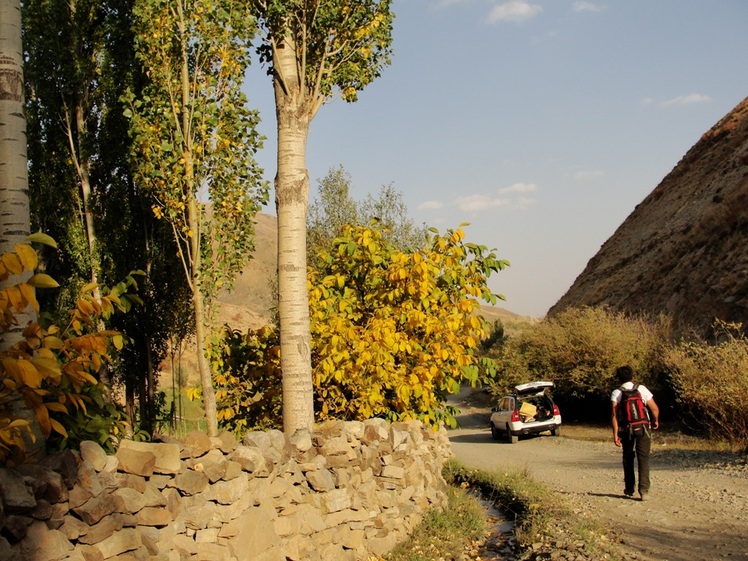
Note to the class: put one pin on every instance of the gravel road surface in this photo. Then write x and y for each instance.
(697, 508)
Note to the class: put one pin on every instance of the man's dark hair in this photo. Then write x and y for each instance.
(625, 374)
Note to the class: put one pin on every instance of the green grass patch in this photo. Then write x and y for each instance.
(445, 533)
(544, 521)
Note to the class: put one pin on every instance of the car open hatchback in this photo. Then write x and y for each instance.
(529, 410)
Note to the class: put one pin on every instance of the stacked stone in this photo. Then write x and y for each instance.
(348, 491)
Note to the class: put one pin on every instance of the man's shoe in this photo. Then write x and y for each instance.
(642, 495)
(628, 493)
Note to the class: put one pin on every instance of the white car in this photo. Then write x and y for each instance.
(530, 410)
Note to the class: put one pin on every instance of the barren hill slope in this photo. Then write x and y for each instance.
(683, 251)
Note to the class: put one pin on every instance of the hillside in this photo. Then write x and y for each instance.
(683, 251)
(251, 302)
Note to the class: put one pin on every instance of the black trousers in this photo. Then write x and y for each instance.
(636, 448)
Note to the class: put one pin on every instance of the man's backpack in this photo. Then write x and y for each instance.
(633, 417)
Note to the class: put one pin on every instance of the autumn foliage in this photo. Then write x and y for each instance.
(48, 371)
(393, 332)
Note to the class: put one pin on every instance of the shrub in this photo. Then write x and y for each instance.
(393, 333)
(248, 379)
(46, 376)
(711, 383)
(579, 349)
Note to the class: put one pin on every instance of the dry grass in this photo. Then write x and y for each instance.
(673, 439)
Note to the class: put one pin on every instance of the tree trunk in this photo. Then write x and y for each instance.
(15, 222)
(203, 367)
(291, 200)
(193, 223)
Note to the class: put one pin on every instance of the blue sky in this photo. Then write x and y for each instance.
(542, 123)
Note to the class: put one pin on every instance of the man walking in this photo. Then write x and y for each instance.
(634, 414)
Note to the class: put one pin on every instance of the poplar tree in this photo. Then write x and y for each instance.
(194, 142)
(316, 49)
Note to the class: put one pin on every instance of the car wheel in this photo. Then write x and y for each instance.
(495, 434)
(556, 431)
(511, 438)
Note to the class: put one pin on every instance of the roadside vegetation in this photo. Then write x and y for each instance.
(700, 383)
(543, 521)
(449, 533)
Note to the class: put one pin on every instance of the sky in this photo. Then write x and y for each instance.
(541, 123)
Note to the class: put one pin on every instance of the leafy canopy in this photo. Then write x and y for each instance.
(333, 208)
(193, 130)
(345, 43)
(396, 331)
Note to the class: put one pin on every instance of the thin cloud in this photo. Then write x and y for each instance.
(514, 11)
(689, 99)
(584, 6)
(519, 188)
(430, 205)
(474, 203)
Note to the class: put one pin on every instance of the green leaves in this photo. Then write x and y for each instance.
(193, 131)
(341, 46)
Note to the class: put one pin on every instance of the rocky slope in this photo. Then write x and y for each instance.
(683, 251)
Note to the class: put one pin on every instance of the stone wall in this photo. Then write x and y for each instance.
(348, 491)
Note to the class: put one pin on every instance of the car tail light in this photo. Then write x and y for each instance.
(556, 410)
(515, 416)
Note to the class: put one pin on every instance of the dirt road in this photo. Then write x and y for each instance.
(698, 505)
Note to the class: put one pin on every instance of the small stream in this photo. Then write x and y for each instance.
(501, 542)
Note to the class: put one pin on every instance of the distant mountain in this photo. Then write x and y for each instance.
(683, 251)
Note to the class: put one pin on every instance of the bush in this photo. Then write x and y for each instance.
(248, 380)
(47, 375)
(393, 333)
(579, 350)
(711, 383)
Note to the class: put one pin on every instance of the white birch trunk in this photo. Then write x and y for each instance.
(15, 222)
(291, 200)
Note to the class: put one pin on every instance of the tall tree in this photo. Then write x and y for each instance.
(195, 140)
(333, 208)
(389, 210)
(80, 60)
(14, 195)
(315, 48)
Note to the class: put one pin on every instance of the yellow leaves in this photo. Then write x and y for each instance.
(27, 256)
(194, 393)
(406, 338)
(12, 263)
(40, 280)
(22, 372)
(41, 238)
(349, 93)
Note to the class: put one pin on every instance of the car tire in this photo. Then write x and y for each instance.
(495, 433)
(511, 438)
(556, 431)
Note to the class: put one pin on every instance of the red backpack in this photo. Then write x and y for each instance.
(633, 417)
